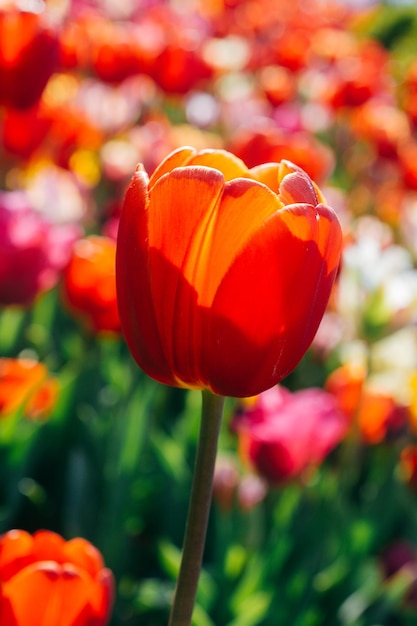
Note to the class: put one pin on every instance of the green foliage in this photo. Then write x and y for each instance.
(114, 464)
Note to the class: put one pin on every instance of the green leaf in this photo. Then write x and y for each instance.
(169, 558)
(252, 609)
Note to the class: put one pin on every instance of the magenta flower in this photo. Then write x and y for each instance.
(33, 251)
(281, 434)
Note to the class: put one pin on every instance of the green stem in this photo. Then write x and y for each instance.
(198, 512)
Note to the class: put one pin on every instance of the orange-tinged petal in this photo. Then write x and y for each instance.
(270, 303)
(178, 158)
(244, 206)
(103, 599)
(84, 555)
(134, 283)
(373, 415)
(267, 173)
(195, 253)
(226, 162)
(48, 546)
(46, 594)
(181, 214)
(15, 552)
(76, 591)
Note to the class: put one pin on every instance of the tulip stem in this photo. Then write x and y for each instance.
(199, 510)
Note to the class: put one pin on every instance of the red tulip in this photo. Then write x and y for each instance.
(46, 581)
(28, 56)
(223, 273)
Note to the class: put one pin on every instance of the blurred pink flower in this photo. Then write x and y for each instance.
(281, 434)
(33, 251)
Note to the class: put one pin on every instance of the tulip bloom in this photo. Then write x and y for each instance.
(223, 272)
(282, 434)
(28, 56)
(89, 283)
(46, 581)
(33, 250)
(26, 384)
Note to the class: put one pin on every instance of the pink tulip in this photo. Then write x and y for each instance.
(281, 434)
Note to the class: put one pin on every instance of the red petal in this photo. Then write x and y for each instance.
(270, 303)
(48, 546)
(182, 211)
(245, 205)
(15, 552)
(133, 281)
(44, 594)
(103, 600)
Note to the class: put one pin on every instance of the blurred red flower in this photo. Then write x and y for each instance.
(24, 130)
(89, 283)
(27, 385)
(408, 465)
(282, 434)
(223, 273)
(28, 56)
(45, 580)
(33, 250)
(359, 76)
(268, 143)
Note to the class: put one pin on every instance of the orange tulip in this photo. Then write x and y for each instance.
(223, 272)
(90, 286)
(26, 384)
(46, 581)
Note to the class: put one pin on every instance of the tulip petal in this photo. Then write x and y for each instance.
(269, 305)
(84, 555)
(297, 187)
(103, 599)
(245, 205)
(267, 173)
(48, 546)
(15, 553)
(178, 158)
(178, 238)
(133, 280)
(226, 162)
(46, 594)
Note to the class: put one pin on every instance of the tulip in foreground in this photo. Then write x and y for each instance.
(223, 272)
(47, 581)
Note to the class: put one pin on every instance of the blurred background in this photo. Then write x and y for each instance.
(315, 525)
